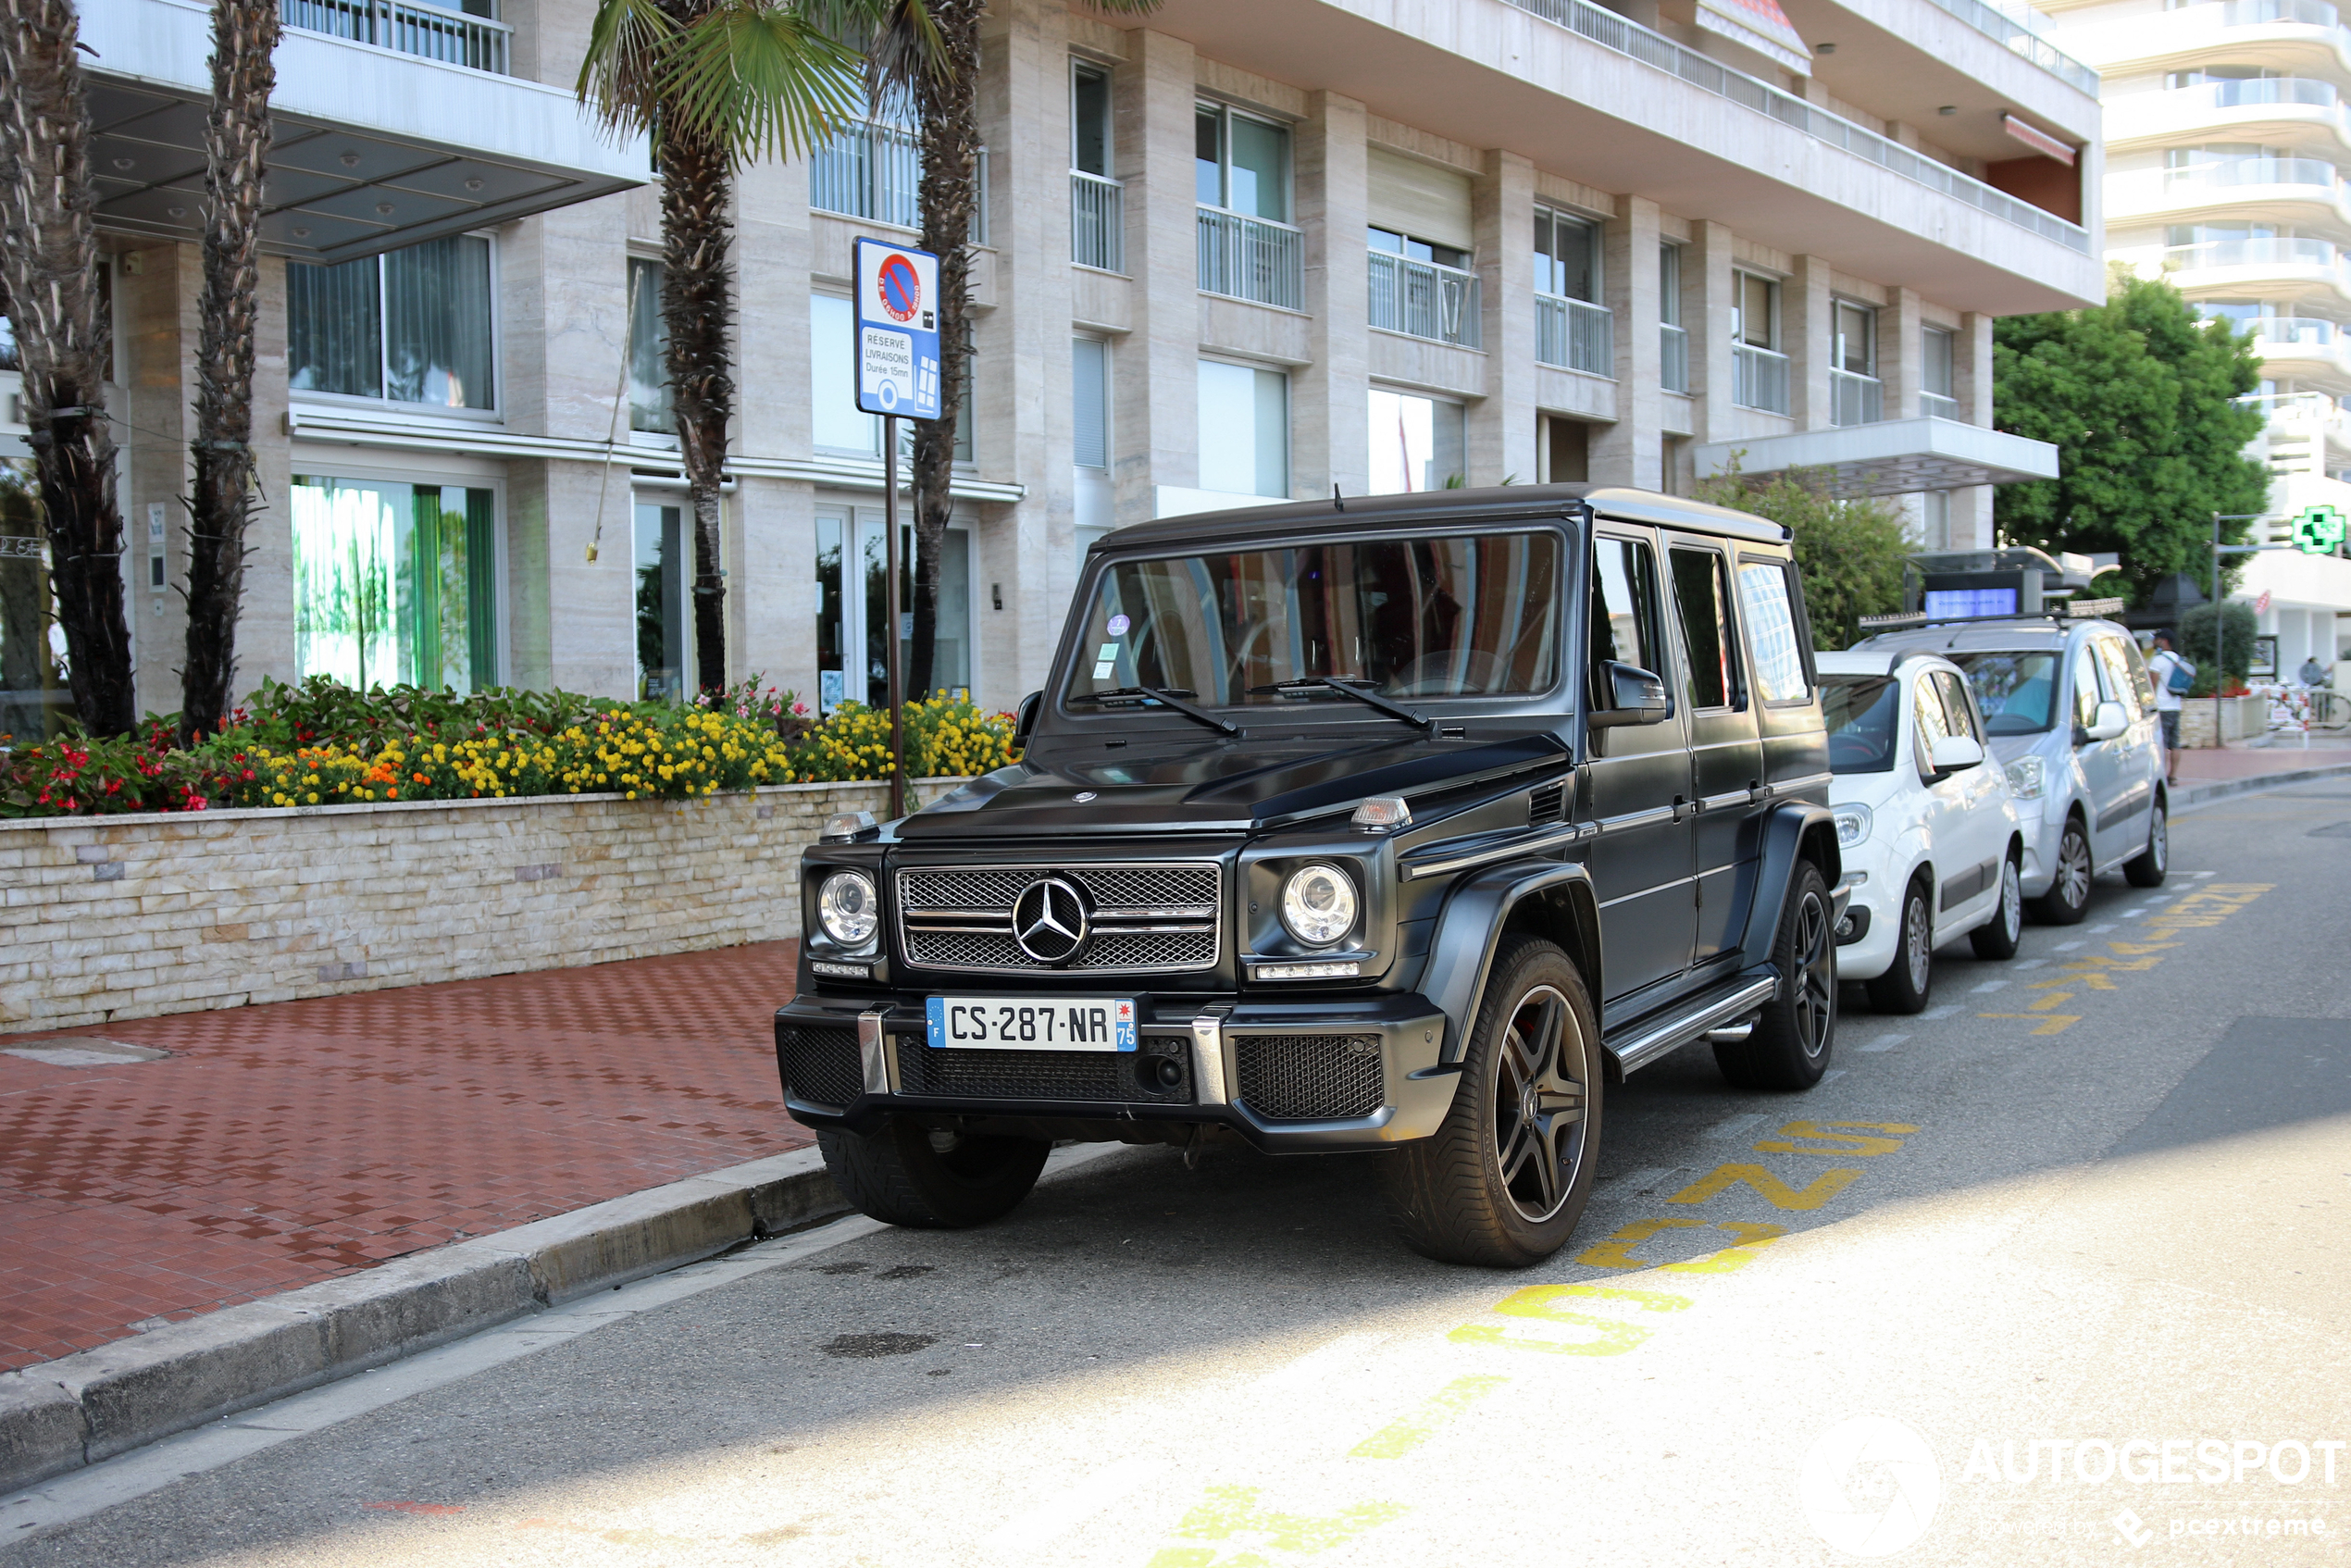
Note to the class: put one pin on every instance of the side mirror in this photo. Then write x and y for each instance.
(1955, 753)
(2112, 721)
(1638, 696)
(1025, 717)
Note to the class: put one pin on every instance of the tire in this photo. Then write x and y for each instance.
(2150, 866)
(1908, 981)
(1505, 1178)
(1796, 1032)
(2068, 898)
(903, 1175)
(1997, 937)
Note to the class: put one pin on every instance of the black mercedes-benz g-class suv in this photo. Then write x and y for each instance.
(1404, 825)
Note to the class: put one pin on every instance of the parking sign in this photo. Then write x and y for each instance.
(897, 330)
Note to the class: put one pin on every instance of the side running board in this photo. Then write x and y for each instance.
(1658, 1040)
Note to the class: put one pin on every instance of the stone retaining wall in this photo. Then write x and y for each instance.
(132, 916)
(2241, 718)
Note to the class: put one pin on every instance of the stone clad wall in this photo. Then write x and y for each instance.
(132, 916)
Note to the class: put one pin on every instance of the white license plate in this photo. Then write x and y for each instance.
(996, 1023)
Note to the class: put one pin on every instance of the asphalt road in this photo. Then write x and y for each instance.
(2071, 1284)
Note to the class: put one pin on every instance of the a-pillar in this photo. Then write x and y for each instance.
(1330, 432)
(1502, 427)
(1155, 390)
(1631, 452)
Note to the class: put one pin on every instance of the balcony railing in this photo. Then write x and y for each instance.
(2141, 189)
(428, 31)
(1252, 258)
(1674, 358)
(2022, 38)
(1855, 400)
(2250, 252)
(1614, 32)
(1097, 221)
(2294, 332)
(870, 171)
(1758, 379)
(2262, 13)
(1424, 300)
(1936, 406)
(1576, 334)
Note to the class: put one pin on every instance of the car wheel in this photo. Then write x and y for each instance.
(1505, 1176)
(2150, 866)
(1996, 938)
(2069, 896)
(1910, 979)
(930, 1180)
(1789, 1046)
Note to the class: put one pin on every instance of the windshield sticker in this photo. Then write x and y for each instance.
(1118, 625)
(1110, 650)
(1101, 671)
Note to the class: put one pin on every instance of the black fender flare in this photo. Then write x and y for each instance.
(1795, 831)
(1470, 929)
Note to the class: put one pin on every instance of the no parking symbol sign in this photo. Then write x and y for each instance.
(896, 329)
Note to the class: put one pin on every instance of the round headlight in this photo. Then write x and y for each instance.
(848, 909)
(1853, 824)
(1318, 904)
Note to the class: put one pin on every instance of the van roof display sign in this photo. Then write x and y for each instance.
(896, 329)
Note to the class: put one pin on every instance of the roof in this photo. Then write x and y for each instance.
(2022, 631)
(1867, 661)
(1439, 508)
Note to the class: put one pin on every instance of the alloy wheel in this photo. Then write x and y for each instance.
(1815, 975)
(1540, 1070)
(2074, 868)
(2011, 901)
(1918, 950)
(2159, 841)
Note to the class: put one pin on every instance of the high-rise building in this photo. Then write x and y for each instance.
(1229, 252)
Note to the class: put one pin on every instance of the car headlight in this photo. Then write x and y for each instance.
(848, 909)
(2027, 778)
(1318, 904)
(1852, 825)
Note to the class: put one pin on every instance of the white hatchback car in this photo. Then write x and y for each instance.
(1925, 822)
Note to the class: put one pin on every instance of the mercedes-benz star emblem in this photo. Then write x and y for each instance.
(1048, 920)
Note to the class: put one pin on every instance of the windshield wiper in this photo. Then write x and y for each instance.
(1172, 696)
(1346, 688)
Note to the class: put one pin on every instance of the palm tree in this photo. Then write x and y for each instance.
(49, 271)
(715, 84)
(244, 36)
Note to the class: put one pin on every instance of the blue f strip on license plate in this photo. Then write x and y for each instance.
(990, 1023)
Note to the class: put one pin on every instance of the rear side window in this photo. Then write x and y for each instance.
(1772, 632)
(1702, 595)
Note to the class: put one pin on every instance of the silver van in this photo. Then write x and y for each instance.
(2069, 708)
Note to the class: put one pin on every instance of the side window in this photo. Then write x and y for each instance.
(1623, 605)
(1960, 712)
(2085, 686)
(1929, 718)
(2118, 674)
(1702, 594)
(1772, 632)
(2141, 681)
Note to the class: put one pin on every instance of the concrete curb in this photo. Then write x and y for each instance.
(80, 1409)
(2198, 794)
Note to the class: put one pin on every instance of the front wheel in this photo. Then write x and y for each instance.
(2150, 866)
(931, 1179)
(1505, 1176)
(2068, 898)
(1909, 982)
(1790, 1043)
(1997, 937)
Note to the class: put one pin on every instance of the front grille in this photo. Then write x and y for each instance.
(1103, 1076)
(1143, 917)
(1310, 1077)
(821, 1067)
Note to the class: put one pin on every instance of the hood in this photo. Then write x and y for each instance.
(1214, 785)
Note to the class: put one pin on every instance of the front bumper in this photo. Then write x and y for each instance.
(1298, 1076)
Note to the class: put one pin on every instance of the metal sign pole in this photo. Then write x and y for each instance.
(897, 688)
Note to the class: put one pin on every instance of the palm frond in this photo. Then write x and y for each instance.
(629, 49)
(900, 40)
(759, 80)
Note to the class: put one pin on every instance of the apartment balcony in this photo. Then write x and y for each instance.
(1887, 457)
(1423, 300)
(870, 171)
(2303, 37)
(2265, 268)
(1574, 335)
(1855, 400)
(1252, 258)
(1758, 379)
(393, 124)
(2249, 189)
(2302, 114)
(1934, 405)
(1097, 222)
(2028, 38)
(2304, 347)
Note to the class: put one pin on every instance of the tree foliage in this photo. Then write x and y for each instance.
(2138, 395)
(1849, 551)
(2195, 644)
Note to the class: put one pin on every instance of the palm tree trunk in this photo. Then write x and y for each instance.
(950, 198)
(49, 267)
(245, 34)
(697, 309)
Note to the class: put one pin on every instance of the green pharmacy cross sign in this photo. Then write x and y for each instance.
(2318, 530)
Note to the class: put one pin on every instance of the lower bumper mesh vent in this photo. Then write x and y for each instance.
(1310, 1077)
(821, 1067)
(1105, 1078)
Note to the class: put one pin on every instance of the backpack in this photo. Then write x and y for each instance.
(2182, 677)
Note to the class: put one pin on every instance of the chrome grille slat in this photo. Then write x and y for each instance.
(1146, 916)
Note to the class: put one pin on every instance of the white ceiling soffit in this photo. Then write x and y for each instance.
(372, 149)
(1893, 457)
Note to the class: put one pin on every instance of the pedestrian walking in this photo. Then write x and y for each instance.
(2172, 676)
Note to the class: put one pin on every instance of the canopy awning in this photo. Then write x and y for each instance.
(1891, 457)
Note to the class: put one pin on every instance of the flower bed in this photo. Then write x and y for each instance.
(320, 744)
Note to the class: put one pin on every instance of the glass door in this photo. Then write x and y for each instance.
(853, 608)
(665, 638)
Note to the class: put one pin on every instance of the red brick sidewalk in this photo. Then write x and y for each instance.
(284, 1144)
(2208, 765)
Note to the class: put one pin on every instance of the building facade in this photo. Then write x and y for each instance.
(1229, 252)
(2229, 130)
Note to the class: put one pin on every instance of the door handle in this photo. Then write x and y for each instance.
(1758, 793)
(1684, 807)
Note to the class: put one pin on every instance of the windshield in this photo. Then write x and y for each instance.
(2017, 692)
(1411, 617)
(1860, 711)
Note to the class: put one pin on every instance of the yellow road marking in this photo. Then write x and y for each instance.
(1616, 1337)
(1843, 1137)
(1774, 1191)
(2050, 1023)
(1233, 1511)
(2052, 1000)
(1401, 1437)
